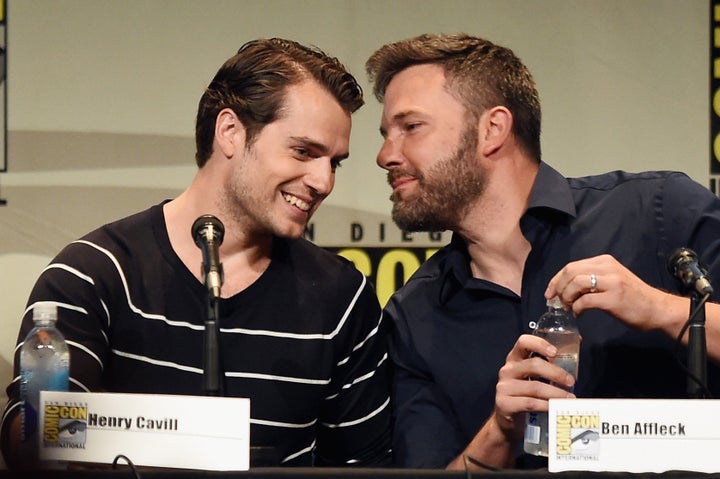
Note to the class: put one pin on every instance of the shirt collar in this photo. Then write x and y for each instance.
(551, 190)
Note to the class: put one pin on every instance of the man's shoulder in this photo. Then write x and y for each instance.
(126, 234)
(429, 275)
(309, 259)
(315, 272)
(619, 178)
(141, 220)
(672, 189)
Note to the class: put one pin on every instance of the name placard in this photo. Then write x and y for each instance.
(189, 432)
(634, 435)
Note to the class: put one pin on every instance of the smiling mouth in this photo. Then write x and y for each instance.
(397, 179)
(402, 181)
(297, 202)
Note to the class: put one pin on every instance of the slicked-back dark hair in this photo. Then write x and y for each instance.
(253, 83)
(478, 73)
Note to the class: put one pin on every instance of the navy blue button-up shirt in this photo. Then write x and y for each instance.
(451, 332)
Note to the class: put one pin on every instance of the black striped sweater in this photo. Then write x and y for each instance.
(305, 342)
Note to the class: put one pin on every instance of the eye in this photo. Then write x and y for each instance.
(412, 126)
(335, 164)
(300, 151)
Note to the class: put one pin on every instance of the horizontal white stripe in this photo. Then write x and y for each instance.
(362, 419)
(288, 379)
(299, 453)
(281, 334)
(256, 332)
(131, 305)
(70, 269)
(360, 379)
(277, 334)
(89, 352)
(157, 362)
(364, 341)
(233, 374)
(59, 305)
(265, 422)
(79, 384)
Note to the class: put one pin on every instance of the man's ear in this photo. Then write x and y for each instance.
(495, 129)
(229, 132)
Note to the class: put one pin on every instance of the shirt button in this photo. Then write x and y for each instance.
(532, 325)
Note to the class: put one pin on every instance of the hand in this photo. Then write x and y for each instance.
(516, 394)
(603, 283)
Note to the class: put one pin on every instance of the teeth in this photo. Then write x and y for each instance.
(294, 200)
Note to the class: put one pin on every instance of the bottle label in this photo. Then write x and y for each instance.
(59, 381)
(532, 434)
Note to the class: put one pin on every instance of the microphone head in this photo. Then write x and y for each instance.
(685, 266)
(680, 257)
(207, 228)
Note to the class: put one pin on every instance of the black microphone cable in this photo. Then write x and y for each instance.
(127, 460)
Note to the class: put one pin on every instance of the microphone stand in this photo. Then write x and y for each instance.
(211, 367)
(697, 348)
(207, 232)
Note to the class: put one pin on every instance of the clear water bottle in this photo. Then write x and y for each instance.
(559, 328)
(44, 366)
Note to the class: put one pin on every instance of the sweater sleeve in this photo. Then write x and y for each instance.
(354, 424)
(74, 282)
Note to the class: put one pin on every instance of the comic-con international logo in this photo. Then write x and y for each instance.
(578, 436)
(65, 425)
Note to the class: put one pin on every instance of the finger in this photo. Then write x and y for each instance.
(547, 371)
(583, 268)
(529, 389)
(584, 283)
(527, 344)
(514, 376)
(552, 287)
(559, 284)
(580, 287)
(599, 299)
(606, 293)
(508, 406)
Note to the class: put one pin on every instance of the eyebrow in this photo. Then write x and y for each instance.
(317, 146)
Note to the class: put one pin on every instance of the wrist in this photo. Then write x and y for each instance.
(671, 313)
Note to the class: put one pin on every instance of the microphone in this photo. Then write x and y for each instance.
(208, 232)
(683, 264)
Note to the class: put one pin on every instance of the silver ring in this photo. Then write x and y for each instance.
(593, 282)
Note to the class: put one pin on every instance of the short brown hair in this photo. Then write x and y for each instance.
(478, 72)
(253, 84)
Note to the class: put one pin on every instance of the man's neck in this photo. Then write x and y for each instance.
(491, 228)
(244, 257)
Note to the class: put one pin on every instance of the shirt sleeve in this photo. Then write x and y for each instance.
(426, 431)
(688, 215)
(355, 421)
(72, 282)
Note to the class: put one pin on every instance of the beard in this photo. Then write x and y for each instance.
(241, 197)
(446, 190)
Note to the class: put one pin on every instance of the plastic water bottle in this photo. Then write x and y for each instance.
(559, 328)
(44, 366)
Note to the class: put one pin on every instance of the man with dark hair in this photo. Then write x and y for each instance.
(300, 329)
(461, 129)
